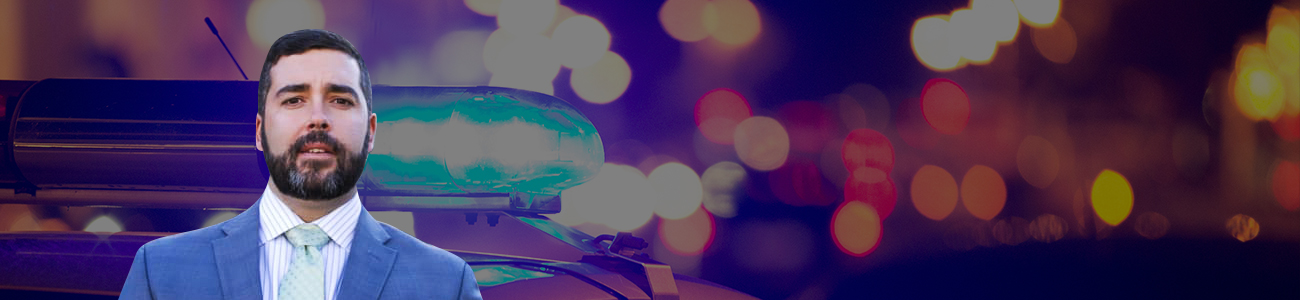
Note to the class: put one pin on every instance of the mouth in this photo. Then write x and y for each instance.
(316, 151)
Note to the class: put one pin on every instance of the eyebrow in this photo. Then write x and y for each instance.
(295, 88)
(338, 88)
(302, 87)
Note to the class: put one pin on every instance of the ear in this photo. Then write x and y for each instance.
(370, 146)
(257, 140)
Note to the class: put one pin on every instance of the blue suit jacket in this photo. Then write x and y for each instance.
(221, 262)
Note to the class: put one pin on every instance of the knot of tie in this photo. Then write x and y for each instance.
(307, 234)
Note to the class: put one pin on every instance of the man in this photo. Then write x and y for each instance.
(308, 237)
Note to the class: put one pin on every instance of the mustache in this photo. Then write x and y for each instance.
(316, 137)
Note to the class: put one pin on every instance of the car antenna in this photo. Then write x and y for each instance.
(223, 45)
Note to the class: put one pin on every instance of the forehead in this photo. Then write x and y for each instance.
(316, 68)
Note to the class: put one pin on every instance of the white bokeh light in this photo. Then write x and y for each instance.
(677, 190)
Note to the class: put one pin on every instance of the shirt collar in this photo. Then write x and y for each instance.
(276, 219)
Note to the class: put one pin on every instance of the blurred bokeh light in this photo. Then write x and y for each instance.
(1047, 228)
(856, 228)
(484, 7)
(718, 113)
(677, 189)
(874, 187)
(619, 197)
(983, 192)
(732, 22)
(1112, 197)
(604, 81)
(945, 105)
(1039, 13)
(1256, 88)
(690, 235)
(526, 17)
(934, 192)
(868, 148)
(267, 20)
(1286, 184)
(1151, 225)
(762, 143)
(1242, 227)
(582, 40)
(1038, 161)
(932, 45)
(684, 19)
(1056, 42)
(721, 182)
(969, 35)
(103, 224)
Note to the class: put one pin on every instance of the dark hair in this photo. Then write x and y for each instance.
(305, 40)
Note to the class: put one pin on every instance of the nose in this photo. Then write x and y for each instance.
(319, 118)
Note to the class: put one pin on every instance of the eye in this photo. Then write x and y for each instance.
(344, 101)
(294, 100)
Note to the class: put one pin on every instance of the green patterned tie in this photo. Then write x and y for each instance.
(306, 276)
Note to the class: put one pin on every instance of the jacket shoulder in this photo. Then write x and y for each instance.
(413, 248)
(197, 237)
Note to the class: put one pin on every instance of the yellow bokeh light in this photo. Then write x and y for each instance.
(762, 143)
(1283, 41)
(934, 192)
(684, 19)
(983, 192)
(930, 44)
(604, 81)
(1056, 42)
(678, 190)
(1112, 197)
(1243, 227)
(856, 228)
(733, 22)
(103, 224)
(1038, 13)
(524, 17)
(582, 41)
(1003, 20)
(484, 7)
(1257, 91)
(267, 20)
(1038, 161)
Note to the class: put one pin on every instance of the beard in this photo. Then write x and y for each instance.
(310, 183)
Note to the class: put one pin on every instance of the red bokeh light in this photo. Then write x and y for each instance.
(718, 113)
(689, 236)
(873, 187)
(1287, 127)
(868, 148)
(945, 106)
(1286, 184)
(809, 125)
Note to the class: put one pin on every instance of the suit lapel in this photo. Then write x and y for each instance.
(238, 257)
(369, 261)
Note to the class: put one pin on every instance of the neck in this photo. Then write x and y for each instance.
(312, 210)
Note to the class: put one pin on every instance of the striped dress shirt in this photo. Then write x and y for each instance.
(277, 252)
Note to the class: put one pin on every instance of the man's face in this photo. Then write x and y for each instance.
(316, 131)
